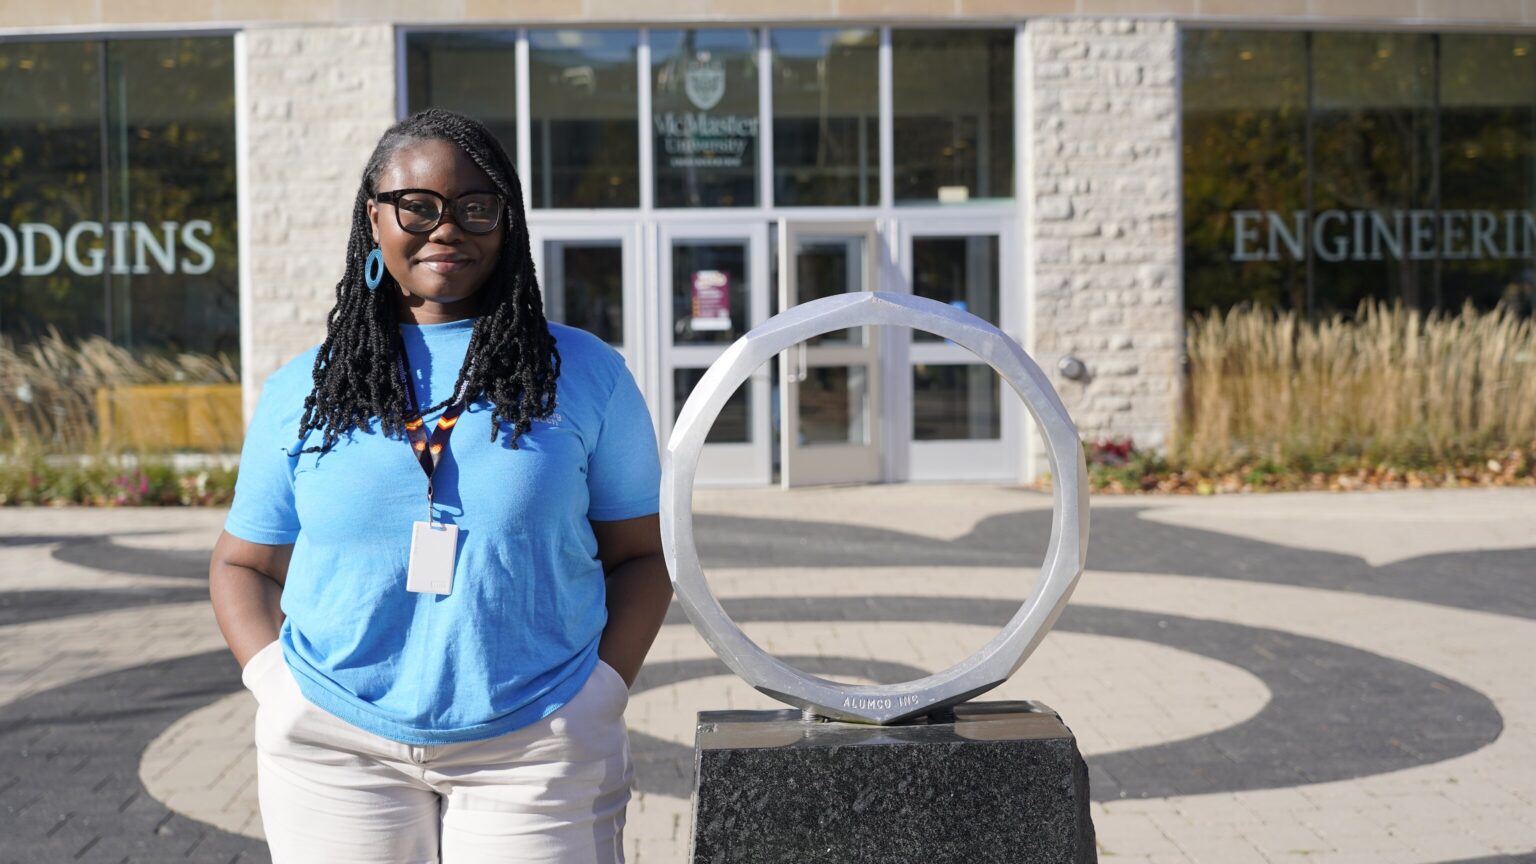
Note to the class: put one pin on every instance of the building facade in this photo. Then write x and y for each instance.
(1082, 174)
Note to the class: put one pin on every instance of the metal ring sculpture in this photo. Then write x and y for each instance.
(999, 658)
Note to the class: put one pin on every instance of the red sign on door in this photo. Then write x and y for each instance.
(711, 300)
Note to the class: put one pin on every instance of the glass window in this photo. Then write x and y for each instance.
(957, 402)
(51, 191)
(826, 107)
(1488, 169)
(960, 271)
(119, 220)
(171, 159)
(472, 73)
(1372, 143)
(583, 284)
(704, 117)
(1245, 128)
(733, 426)
(1323, 169)
(583, 98)
(826, 266)
(953, 121)
(834, 405)
(709, 291)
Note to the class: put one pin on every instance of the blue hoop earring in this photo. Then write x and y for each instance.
(373, 269)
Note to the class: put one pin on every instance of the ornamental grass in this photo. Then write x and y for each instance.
(58, 447)
(50, 392)
(1389, 387)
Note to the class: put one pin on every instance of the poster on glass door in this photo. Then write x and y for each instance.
(711, 300)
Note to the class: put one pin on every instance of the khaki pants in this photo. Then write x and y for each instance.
(553, 792)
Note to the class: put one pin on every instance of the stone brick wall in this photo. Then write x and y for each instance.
(1103, 273)
(316, 101)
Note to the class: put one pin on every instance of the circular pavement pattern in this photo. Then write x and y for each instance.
(80, 754)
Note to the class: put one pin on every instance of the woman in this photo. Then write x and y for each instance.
(440, 620)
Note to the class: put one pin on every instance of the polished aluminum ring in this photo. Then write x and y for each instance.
(999, 658)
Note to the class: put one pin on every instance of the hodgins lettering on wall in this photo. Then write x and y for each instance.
(40, 248)
(1370, 235)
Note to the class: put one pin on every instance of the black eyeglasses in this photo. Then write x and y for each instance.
(419, 211)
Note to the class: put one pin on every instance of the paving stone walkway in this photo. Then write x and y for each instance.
(1287, 678)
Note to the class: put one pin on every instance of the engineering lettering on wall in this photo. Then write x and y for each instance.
(1374, 235)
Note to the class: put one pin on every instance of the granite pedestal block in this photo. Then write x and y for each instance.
(991, 782)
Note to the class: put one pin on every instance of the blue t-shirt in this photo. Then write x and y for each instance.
(518, 635)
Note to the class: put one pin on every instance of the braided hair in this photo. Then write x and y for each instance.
(511, 357)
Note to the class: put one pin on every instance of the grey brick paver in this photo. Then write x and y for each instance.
(87, 749)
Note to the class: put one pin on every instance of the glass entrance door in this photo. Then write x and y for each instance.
(829, 393)
(713, 281)
(961, 425)
(589, 276)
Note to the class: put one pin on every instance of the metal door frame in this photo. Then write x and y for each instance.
(832, 463)
(719, 464)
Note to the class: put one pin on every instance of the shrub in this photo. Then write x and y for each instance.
(105, 482)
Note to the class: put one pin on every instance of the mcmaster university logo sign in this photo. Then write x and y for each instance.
(698, 137)
(704, 81)
(1374, 235)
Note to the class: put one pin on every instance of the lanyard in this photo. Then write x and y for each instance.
(429, 449)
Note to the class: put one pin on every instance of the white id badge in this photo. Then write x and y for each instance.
(433, 547)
